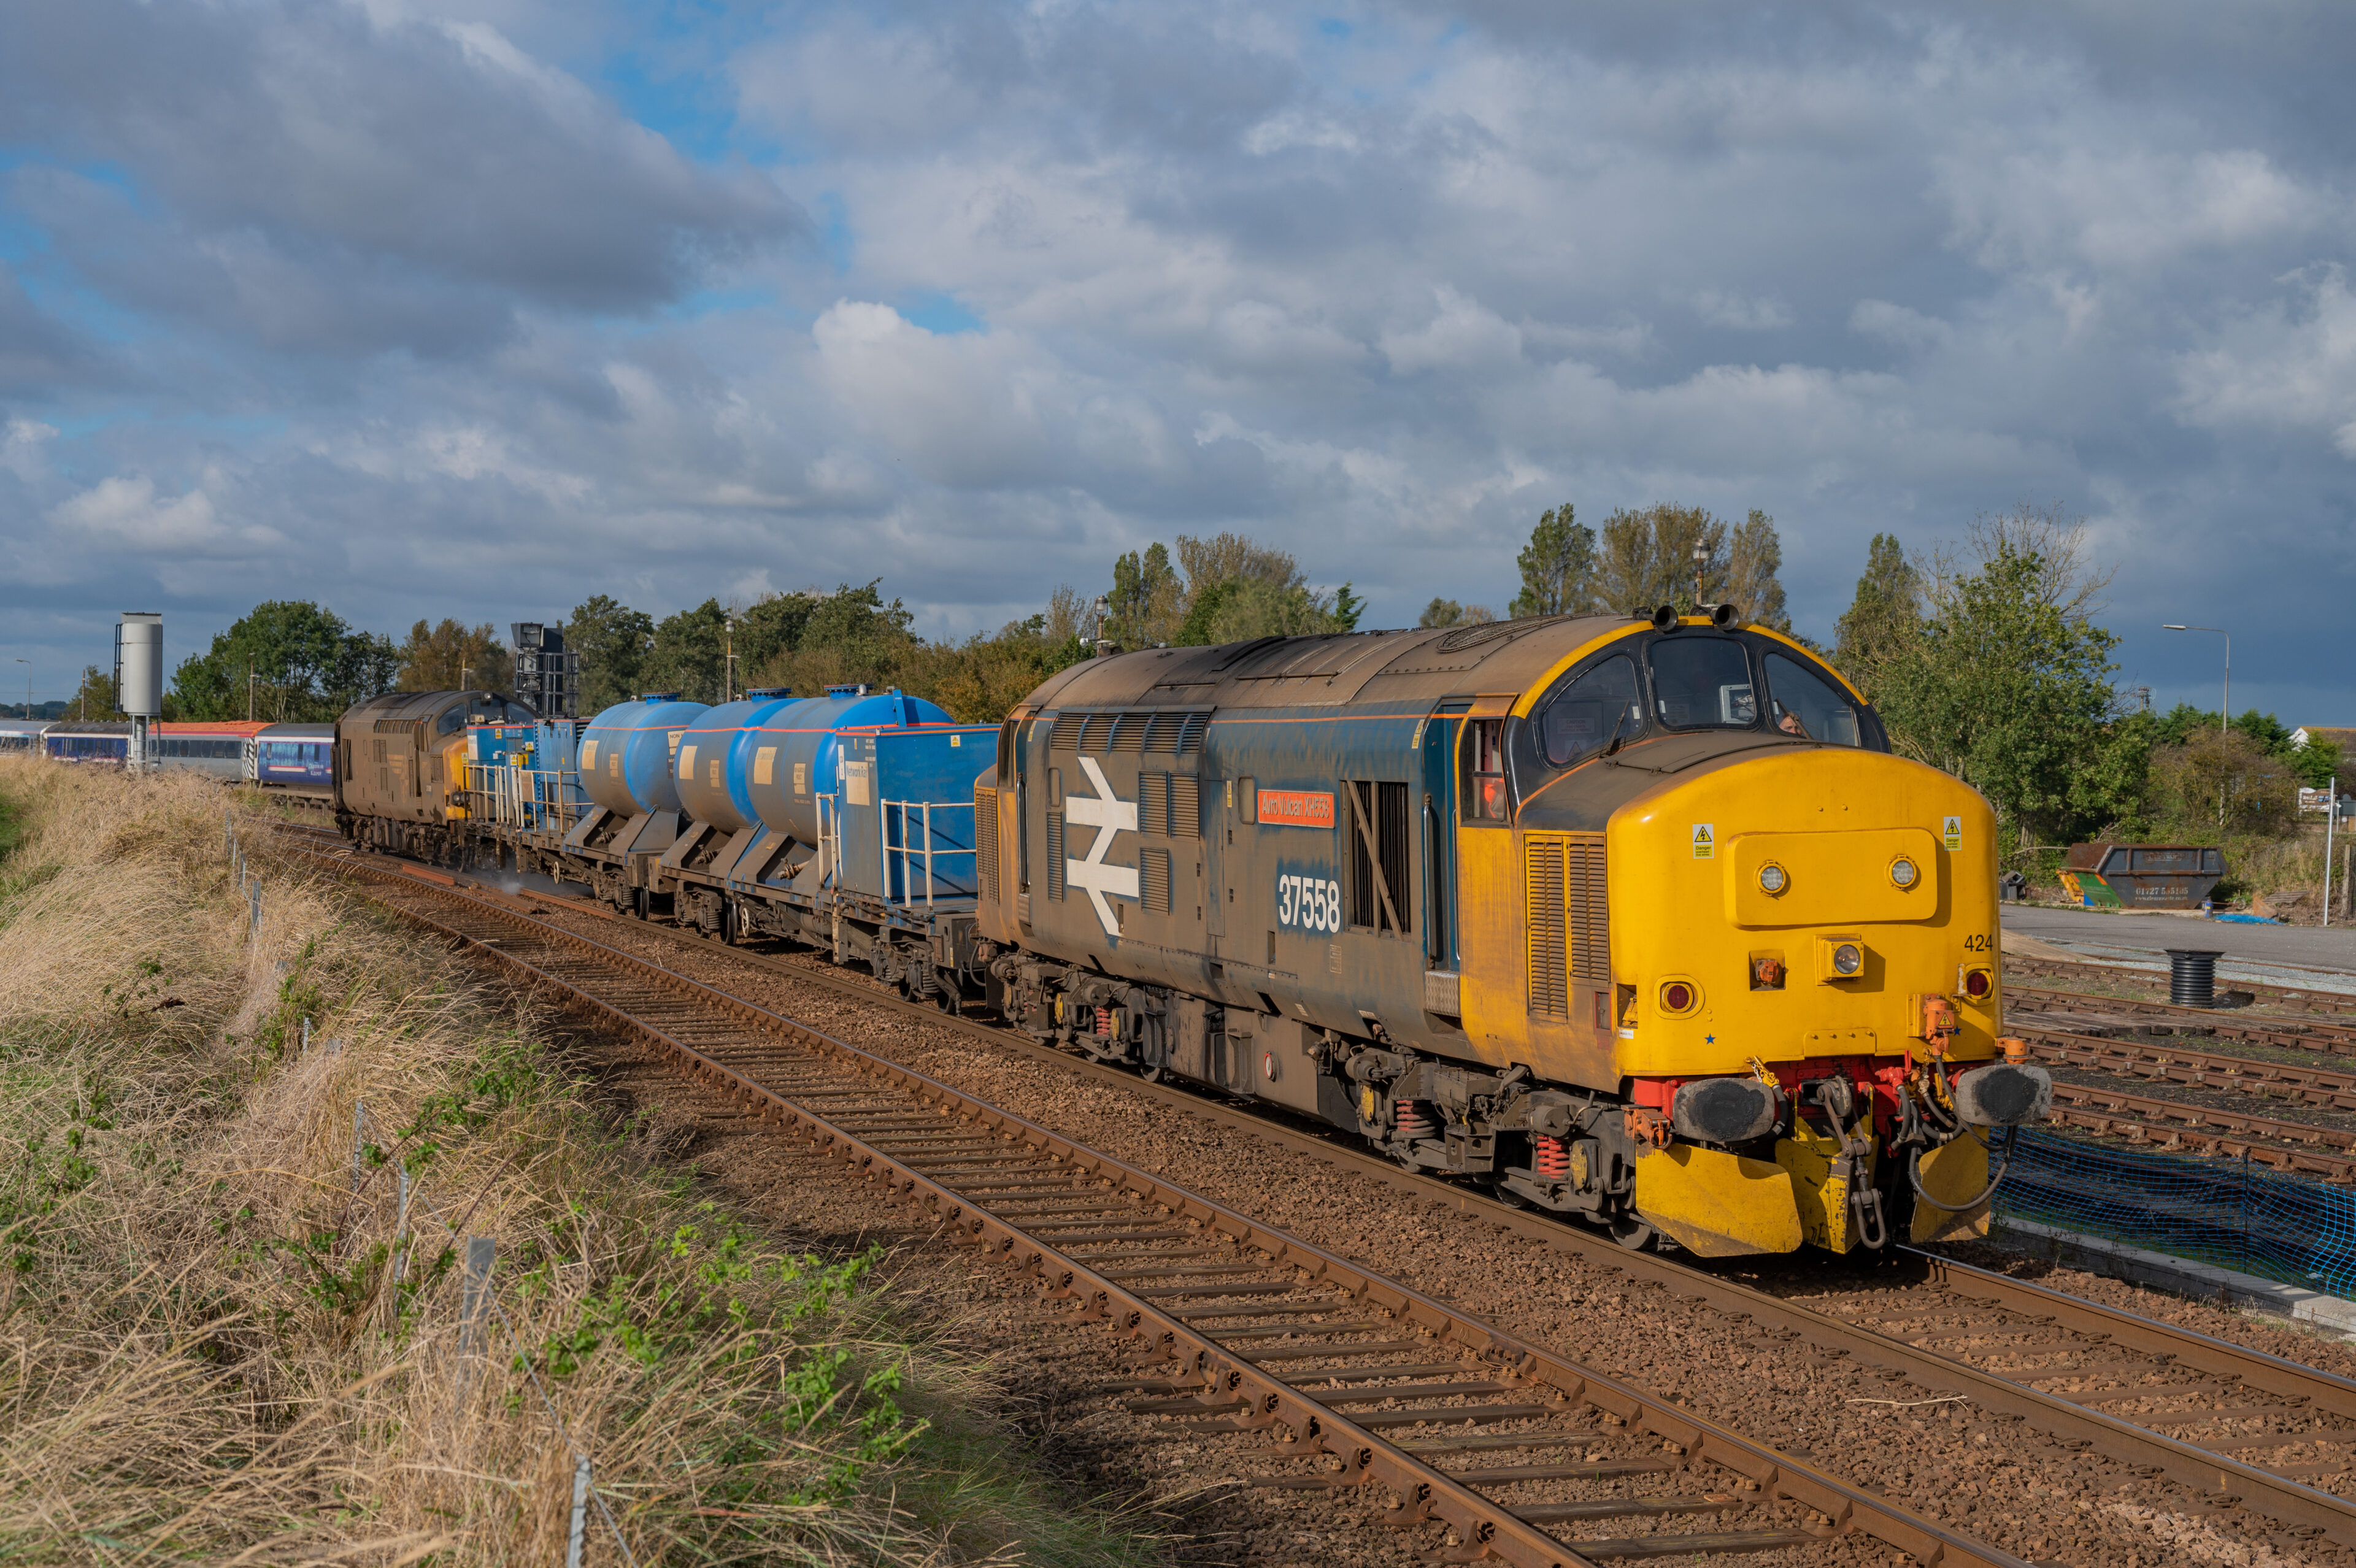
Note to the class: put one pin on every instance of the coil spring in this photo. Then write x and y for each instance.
(1104, 1023)
(1412, 1122)
(1553, 1158)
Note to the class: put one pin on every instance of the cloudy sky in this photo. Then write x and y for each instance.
(476, 307)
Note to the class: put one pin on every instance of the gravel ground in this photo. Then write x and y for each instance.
(1954, 1461)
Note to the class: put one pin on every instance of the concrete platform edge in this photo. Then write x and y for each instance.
(2180, 1276)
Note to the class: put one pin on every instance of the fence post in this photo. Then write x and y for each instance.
(474, 1295)
(360, 1117)
(401, 1223)
(580, 1512)
(307, 1037)
(2245, 1208)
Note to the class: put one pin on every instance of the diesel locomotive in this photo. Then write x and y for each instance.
(1636, 919)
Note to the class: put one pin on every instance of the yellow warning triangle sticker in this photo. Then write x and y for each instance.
(1705, 840)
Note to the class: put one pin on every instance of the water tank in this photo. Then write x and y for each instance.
(139, 664)
(627, 752)
(804, 757)
(716, 757)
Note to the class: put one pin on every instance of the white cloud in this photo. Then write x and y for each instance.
(127, 514)
(22, 442)
(1465, 335)
(1897, 324)
(2290, 367)
(1741, 314)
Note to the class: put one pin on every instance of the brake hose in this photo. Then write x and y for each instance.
(1914, 1176)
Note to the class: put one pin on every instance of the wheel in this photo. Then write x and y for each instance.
(1631, 1233)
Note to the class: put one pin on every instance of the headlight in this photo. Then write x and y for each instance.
(1771, 878)
(1848, 958)
(1902, 872)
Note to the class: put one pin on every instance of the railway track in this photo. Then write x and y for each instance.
(2295, 998)
(1239, 1329)
(2242, 1428)
(2282, 1033)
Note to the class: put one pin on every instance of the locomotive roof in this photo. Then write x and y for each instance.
(1413, 666)
(407, 704)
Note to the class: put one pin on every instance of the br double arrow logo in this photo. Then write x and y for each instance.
(1108, 815)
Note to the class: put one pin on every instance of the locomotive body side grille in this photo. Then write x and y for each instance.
(1185, 806)
(1542, 898)
(1054, 854)
(985, 840)
(1153, 803)
(1066, 736)
(1153, 875)
(1590, 911)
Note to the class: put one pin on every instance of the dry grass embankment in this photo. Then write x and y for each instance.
(212, 1348)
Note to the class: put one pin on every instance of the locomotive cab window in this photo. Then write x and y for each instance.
(1702, 682)
(1586, 715)
(1483, 783)
(1803, 703)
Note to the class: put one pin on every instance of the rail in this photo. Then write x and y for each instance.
(1905, 1332)
(895, 813)
(1232, 1338)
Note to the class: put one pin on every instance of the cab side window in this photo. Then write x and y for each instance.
(450, 722)
(1482, 785)
(1803, 703)
(1587, 714)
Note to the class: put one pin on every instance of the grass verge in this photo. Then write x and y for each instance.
(224, 1336)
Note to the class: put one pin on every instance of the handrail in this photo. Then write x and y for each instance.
(907, 853)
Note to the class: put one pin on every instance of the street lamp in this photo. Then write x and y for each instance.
(2225, 710)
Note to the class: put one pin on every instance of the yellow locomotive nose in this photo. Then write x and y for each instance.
(1819, 927)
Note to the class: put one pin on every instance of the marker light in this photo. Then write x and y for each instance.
(1677, 997)
(1978, 984)
(1902, 871)
(1847, 959)
(1771, 878)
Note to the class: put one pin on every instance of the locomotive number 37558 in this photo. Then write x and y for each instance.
(1312, 903)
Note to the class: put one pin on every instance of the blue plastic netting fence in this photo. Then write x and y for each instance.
(2225, 1211)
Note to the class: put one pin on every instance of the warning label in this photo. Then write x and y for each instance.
(1952, 836)
(1704, 841)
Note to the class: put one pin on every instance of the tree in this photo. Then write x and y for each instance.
(1884, 617)
(94, 702)
(287, 661)
(2008, 684)
(1347, 608)
(453, 657)
(981, 679)
(1754, 555)
(2227, 783)
(1557, 568)
(689, 653)
(1232, 557)
(844, 637)
(1448, 613)
(1646, 558)
(1147, 604)
(610, 641)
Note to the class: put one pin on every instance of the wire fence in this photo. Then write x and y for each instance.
(479, 1305)
(2227, 1212)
